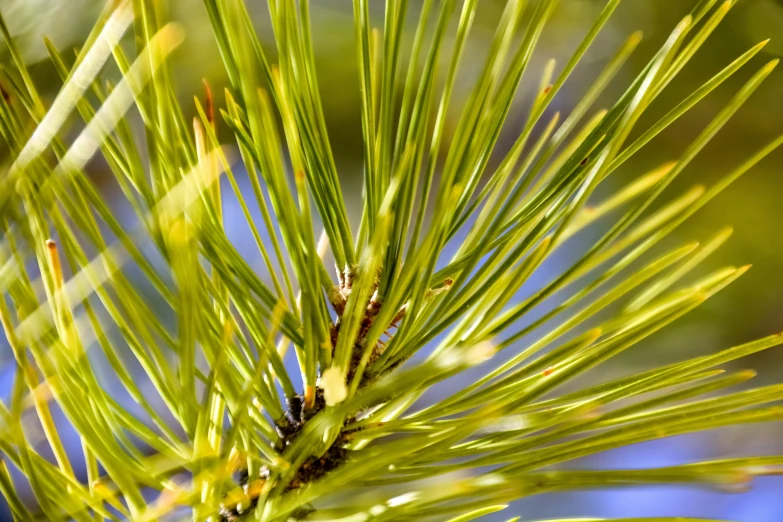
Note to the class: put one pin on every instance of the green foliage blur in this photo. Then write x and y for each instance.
(750, 308)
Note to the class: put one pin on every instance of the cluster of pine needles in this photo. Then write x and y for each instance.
(171, 357)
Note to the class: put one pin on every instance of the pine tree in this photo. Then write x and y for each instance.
(299, 390)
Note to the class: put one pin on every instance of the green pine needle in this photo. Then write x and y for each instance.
(306, 382)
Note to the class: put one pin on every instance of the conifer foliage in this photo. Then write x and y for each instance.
(201, 386)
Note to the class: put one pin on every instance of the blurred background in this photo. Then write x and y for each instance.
(749, 308)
